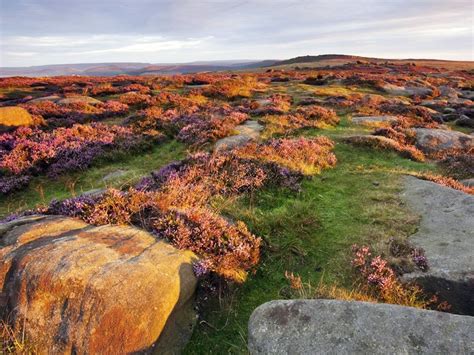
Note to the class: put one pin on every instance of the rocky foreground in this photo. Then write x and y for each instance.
(341, 327)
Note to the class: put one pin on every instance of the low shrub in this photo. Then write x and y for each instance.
(305, 155)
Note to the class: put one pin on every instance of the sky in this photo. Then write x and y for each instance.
(38, 32)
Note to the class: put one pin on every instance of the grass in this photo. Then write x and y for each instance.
(310, 234)
(42, 190)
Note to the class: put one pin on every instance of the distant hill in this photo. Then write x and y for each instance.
(312, 61)
(317, 61)
(109, 69)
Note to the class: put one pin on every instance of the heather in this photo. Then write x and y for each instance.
(274, 215)
(29, 151)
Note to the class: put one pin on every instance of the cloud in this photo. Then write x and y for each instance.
(186, 30)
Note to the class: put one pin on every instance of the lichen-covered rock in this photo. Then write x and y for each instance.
(446, 234)
(342, 327)
(247, 132)
(434, 141)
(83, 289)
(15, 116)
(78, 99)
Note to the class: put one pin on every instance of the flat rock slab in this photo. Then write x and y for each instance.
(343, 327)
(446, 233)
(431, 140)
(372, 121)
(79, 99)
(77, 288)
(247, 132)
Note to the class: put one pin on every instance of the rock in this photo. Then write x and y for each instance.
(438, 105)
(448, 110)
(15, 116)
(431, 140)
(115, 175)
(467, 94)
(85, 289)
(450, 117)
(247, 132)
(446, 234)
(375, 121)
(79, 99)
(468, 182)
(52, 98)
(465, 121)
(448, 92)
(343, 327)
(407, 91)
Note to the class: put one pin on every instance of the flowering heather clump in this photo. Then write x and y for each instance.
(229, 250)
(202, 129)
(447, 181)
(232, 88)
(9, 184)
(380, 280)
(135, 99)
(306, 155)
(321, 116)
(384, 143)
(31, 151)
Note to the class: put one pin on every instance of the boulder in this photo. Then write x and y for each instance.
(449, 92)
(78, 99)
(375, 121)
(344, 327)
(76, 288)
(247, 132)
(465, 121)
(15, 116)
(433, 141)
(407, 91)
(52, 98)
(446, 234)
(468, 182)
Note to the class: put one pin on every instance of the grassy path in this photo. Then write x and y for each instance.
(310, 233)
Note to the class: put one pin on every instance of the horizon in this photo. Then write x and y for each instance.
(182, 31)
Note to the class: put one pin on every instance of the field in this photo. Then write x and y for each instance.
(267, 175)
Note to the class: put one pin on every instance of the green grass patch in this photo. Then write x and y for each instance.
(42, 190)
(310, 233)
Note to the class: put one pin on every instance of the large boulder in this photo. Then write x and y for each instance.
(15, 116)
(76, 288)
(446, 234)
(342, 327)
(434, 141)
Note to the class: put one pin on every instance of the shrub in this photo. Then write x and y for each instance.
(205, 128)
(14, 116)
(229, 250)
(305, 155)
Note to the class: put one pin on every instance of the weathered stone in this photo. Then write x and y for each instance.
(468, 182)
(115, 175)
(407, 91)
(446, 234)
(449, 92)
(247, 132)
(465, 121)
(52, 98)
(15, 116)
(342, 327)
(84, 289)
(375, 121)
(438, 140)
(79, 99)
